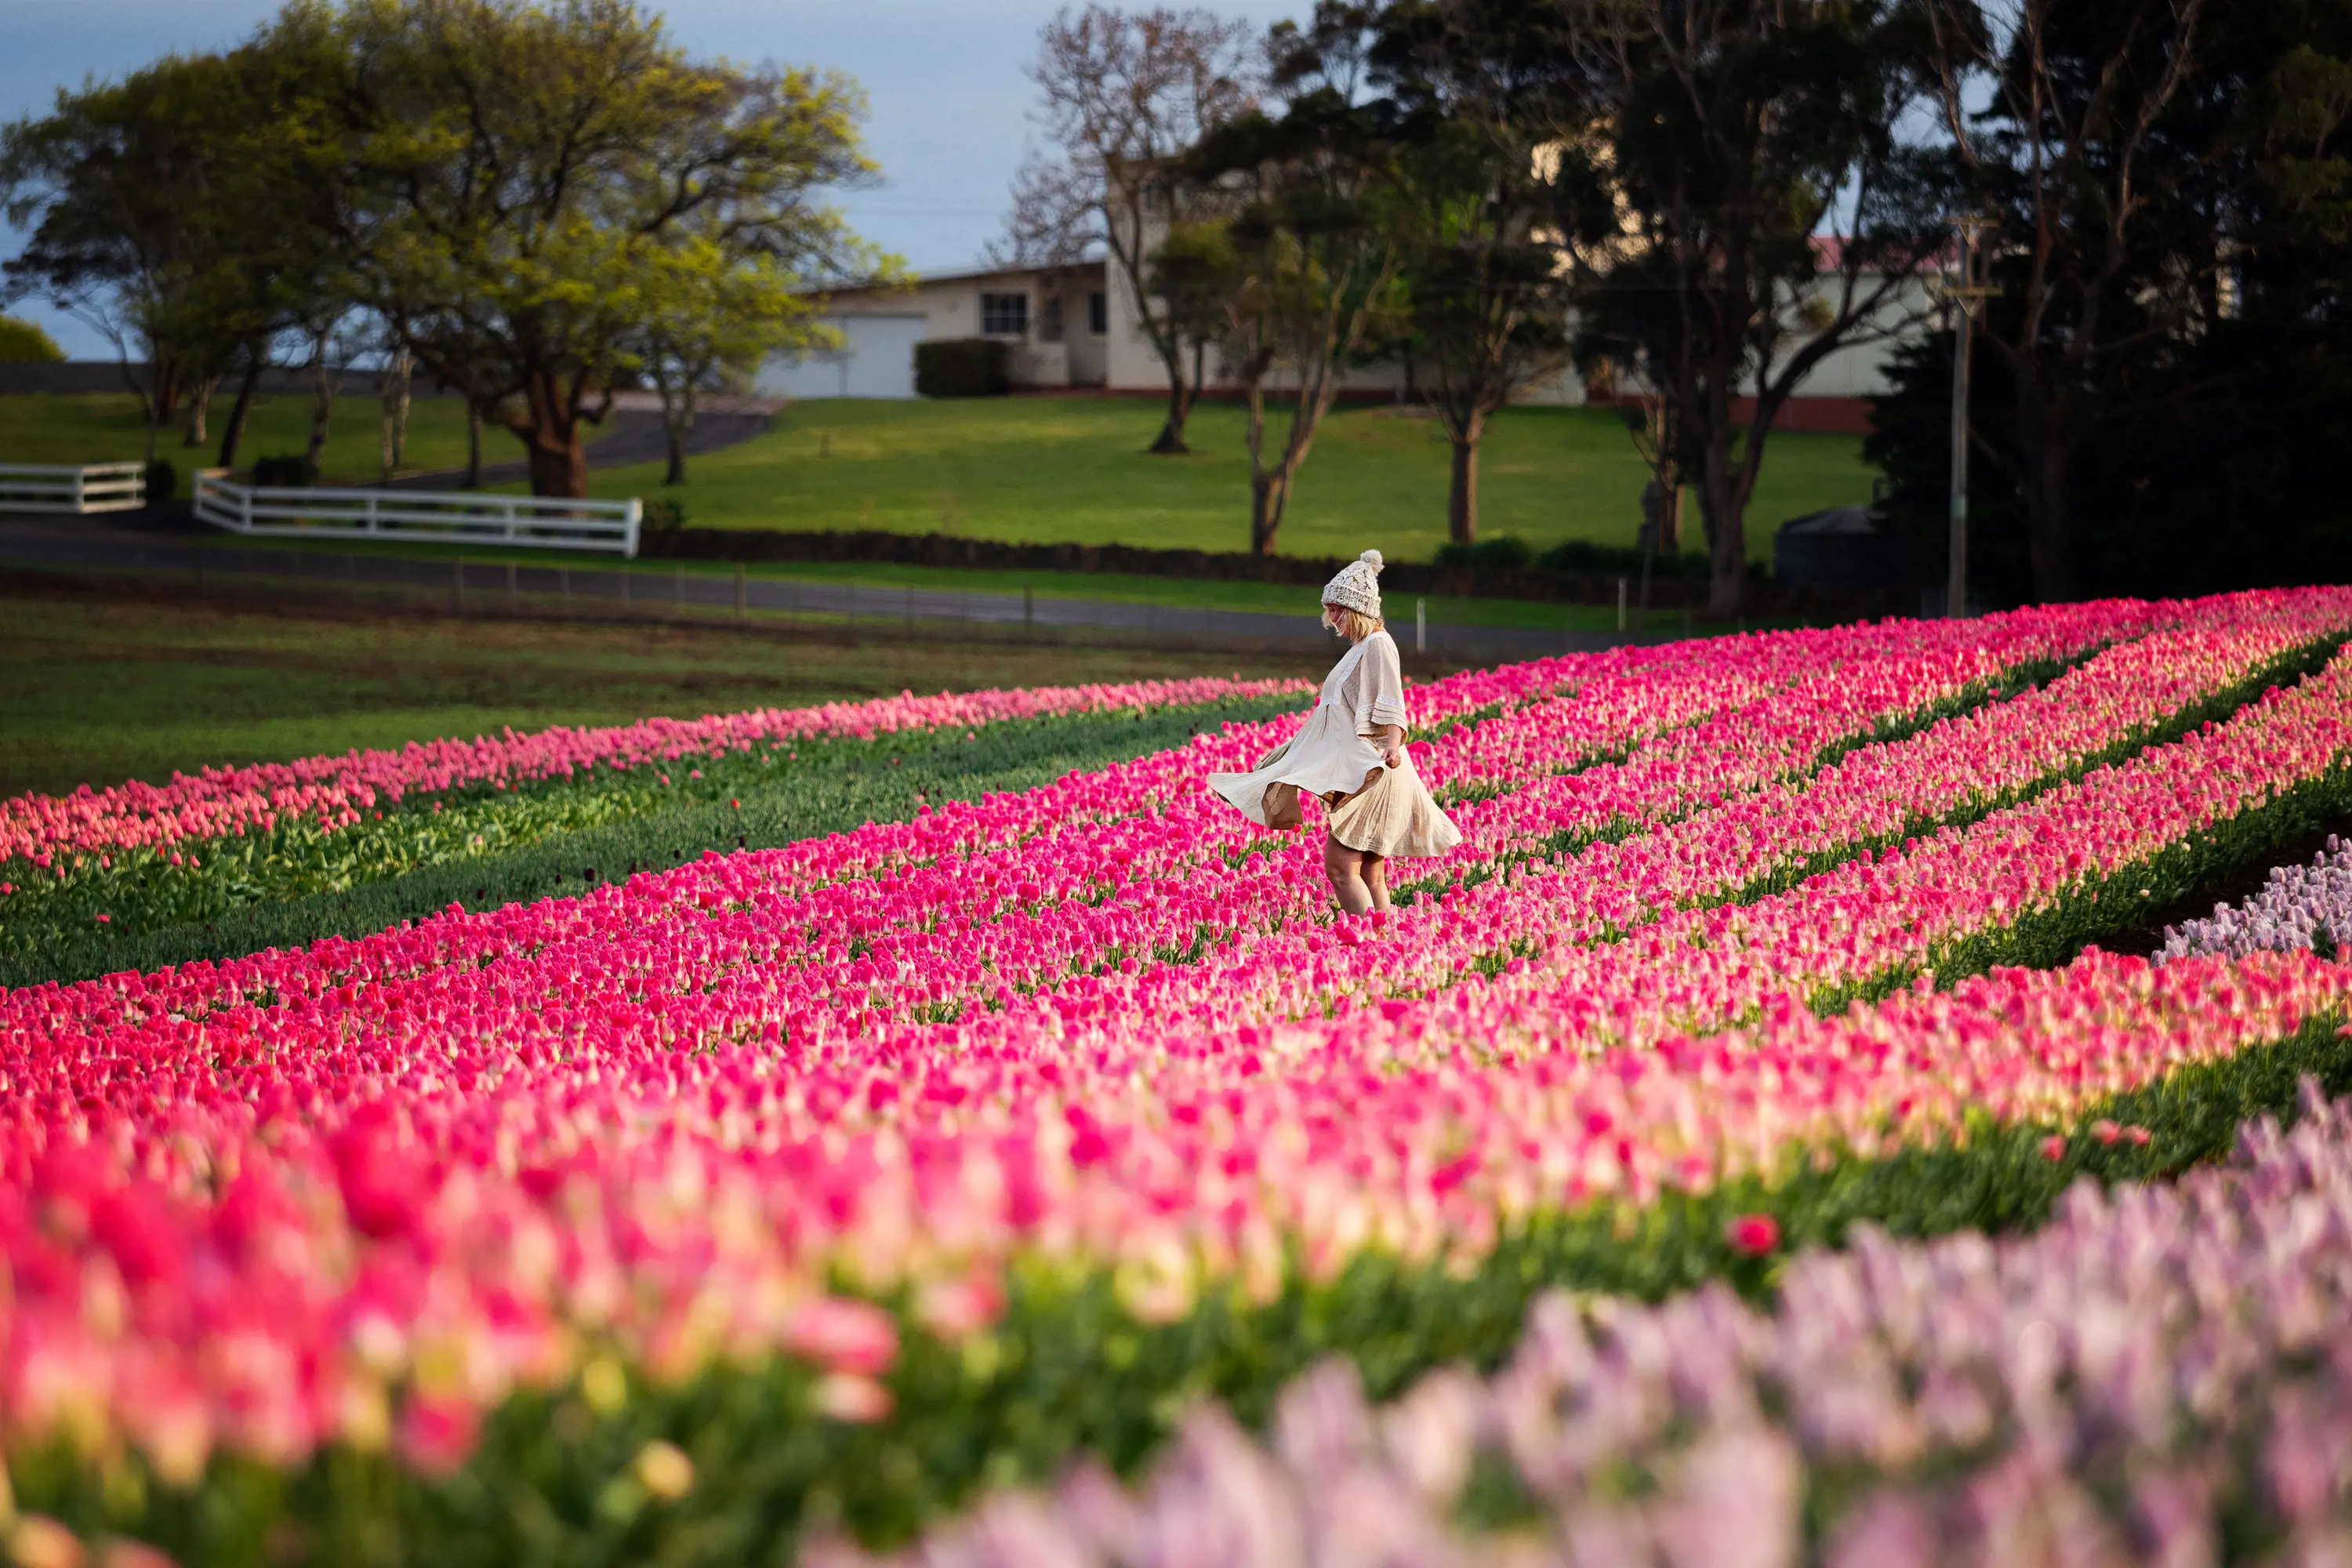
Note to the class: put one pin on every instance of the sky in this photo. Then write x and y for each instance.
(948, 105)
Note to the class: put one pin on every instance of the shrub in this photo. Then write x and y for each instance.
(662, 515)
(21, 342)
(294, 471)
(963, 367)
(163, 481)
(1503, 553)
(1623, 560)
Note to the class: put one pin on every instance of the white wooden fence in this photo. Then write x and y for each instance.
(423, 517)
(95, 487)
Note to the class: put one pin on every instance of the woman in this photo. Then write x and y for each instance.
(1351, 752)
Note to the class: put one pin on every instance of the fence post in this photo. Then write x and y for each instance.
(1421, 626)
(1621, 604)
(79, 504)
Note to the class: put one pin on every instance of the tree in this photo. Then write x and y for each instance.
(1123, 98)
(1703, 146)
(2071, 158)
(393, 379)
(181, 212)
(1313, 280)
(519, 170)
(2203, 431)
(23, 343)
(711, 313)
(112, 184)
(1487, 280)
(1650, 421)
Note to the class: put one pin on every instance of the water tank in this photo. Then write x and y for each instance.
(1844, 547)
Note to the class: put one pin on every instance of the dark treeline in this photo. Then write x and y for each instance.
(1700, 200)
(2164, 388)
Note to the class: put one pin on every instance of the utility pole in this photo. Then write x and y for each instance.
(1965, 290)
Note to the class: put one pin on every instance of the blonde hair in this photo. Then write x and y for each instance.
(1353, 624)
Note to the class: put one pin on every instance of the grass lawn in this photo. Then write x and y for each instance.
(1074, 469)
(106, 427)
(96, 691)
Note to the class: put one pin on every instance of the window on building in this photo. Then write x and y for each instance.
(1004, 315)
(1049, 321)
(1098, 313)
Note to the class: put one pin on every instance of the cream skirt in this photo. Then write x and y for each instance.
(1392, 815)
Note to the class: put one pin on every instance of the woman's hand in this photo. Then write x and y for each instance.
(1390, 743)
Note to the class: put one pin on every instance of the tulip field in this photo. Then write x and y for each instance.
(941, 1131)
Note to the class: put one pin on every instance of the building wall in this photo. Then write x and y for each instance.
(1088, 352)
(950, 308)
(1859, 370)
(1121, 358)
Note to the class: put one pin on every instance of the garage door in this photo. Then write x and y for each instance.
(877, 359)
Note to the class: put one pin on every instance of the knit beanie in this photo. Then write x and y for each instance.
(1358, 585)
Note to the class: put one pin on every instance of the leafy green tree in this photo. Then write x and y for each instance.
(112, 184)
(181, 211)
(1704, 145)
(1485, 273)
(23, 343)
(1311, 183)
(712, 313)
(519, 173)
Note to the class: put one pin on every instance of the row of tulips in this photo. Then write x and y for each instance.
(1026, 874)
(271, 846)
(126, 892)
(295, 883)
(364, 1194)
(2298, 906)
(376, 1279)
(1568, 716)
(1619, 698)
(332, 790)
(2152, 1378)
(486, 1002)
(1672, 974)
(944, 940)
(689, 1204)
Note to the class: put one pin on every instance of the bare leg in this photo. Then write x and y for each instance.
(1345, 867)
(1376, 881)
